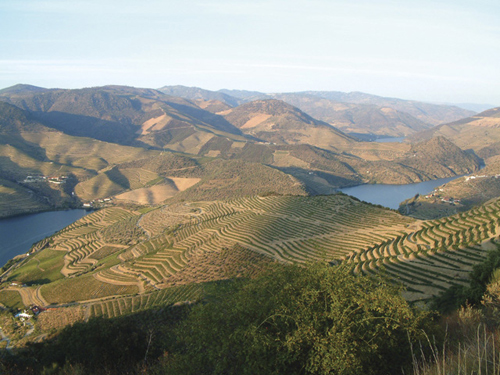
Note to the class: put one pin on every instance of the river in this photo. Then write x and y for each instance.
(392, 195)
(18, 233)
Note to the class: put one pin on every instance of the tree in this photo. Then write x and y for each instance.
(299, 320)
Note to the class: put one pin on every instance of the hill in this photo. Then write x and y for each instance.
(426, 112)
(125, 115)
(356, 118)
(246, 95)
(155, 179)
(196, 93)
(315, 157)
(20, 89)
(353, 112)
(280, 123)
(479, 133)
(117, 261)
(458, 195)
(441, 156)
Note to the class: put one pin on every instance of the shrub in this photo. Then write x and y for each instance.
(299, 320)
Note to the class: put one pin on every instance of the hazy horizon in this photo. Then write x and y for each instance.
(434, 52)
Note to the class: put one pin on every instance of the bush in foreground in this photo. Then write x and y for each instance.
(296, 320)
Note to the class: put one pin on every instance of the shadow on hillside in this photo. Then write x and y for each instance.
(87, 126)
(319, 182)
(218, 122)
(118, 178)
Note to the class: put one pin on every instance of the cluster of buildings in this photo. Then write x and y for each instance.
(97, 203)
(436, 194)
(28, 313)
(51, 179)
(474, 177)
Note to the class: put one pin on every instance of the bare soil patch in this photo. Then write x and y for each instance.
(184, 183)
(255, 121)
(152, 195)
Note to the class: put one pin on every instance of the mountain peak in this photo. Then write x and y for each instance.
(22, 88)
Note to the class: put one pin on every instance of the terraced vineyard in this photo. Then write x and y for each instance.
(115, 261)
(438, 255)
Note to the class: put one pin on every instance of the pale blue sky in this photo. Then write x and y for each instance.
(441, 51)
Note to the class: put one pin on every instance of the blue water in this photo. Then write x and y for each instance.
(18, 233)
(392, 195)
(390, 140)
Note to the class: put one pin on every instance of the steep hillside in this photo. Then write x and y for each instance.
(20, 89)
(480, 133)
(196, 93)
(428, 113)
(210, 179)
(323, 171)
(458, 195)
(41, 168)
(277, 122)
(356, 118)
(213, 106)
(124, 115)
(116, 261)
(440, 156)
(15, 120)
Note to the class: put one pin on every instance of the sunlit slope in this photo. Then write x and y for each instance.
(356, 118)
(437, 255)
(115, 251)
(145, 258)
(480, 133)
(278, 122)
(362, 162)
(124, 115)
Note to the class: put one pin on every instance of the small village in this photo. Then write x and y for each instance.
(58, 180)
(438, 192)
(98, 203)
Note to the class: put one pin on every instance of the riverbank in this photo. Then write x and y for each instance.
(391, 196)
(20, 232)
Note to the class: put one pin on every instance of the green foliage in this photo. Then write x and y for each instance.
(124, 232)
(100, 346)
(11, 299)
(42, 268)
(296, 320)
(458, 295)
(7, 265)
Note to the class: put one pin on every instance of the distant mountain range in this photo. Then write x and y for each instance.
(145, 146)
(479, 133)
(354, 112)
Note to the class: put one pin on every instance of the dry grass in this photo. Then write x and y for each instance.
(255, 121)
(184, 183)
(60, 317)
(149, 196)
(82, 289)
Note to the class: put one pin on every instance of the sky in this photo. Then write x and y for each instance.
(435, 51)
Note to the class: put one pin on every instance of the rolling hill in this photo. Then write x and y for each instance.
(479, 133)
(353, 112)
(117, 261)
(357, 118)
(429, 113)
(284, 150)
(125, 115)
(196, 93)
(277, 122)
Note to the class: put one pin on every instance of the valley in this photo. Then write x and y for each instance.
(146, 146)
(117, 261)
(193, 189)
